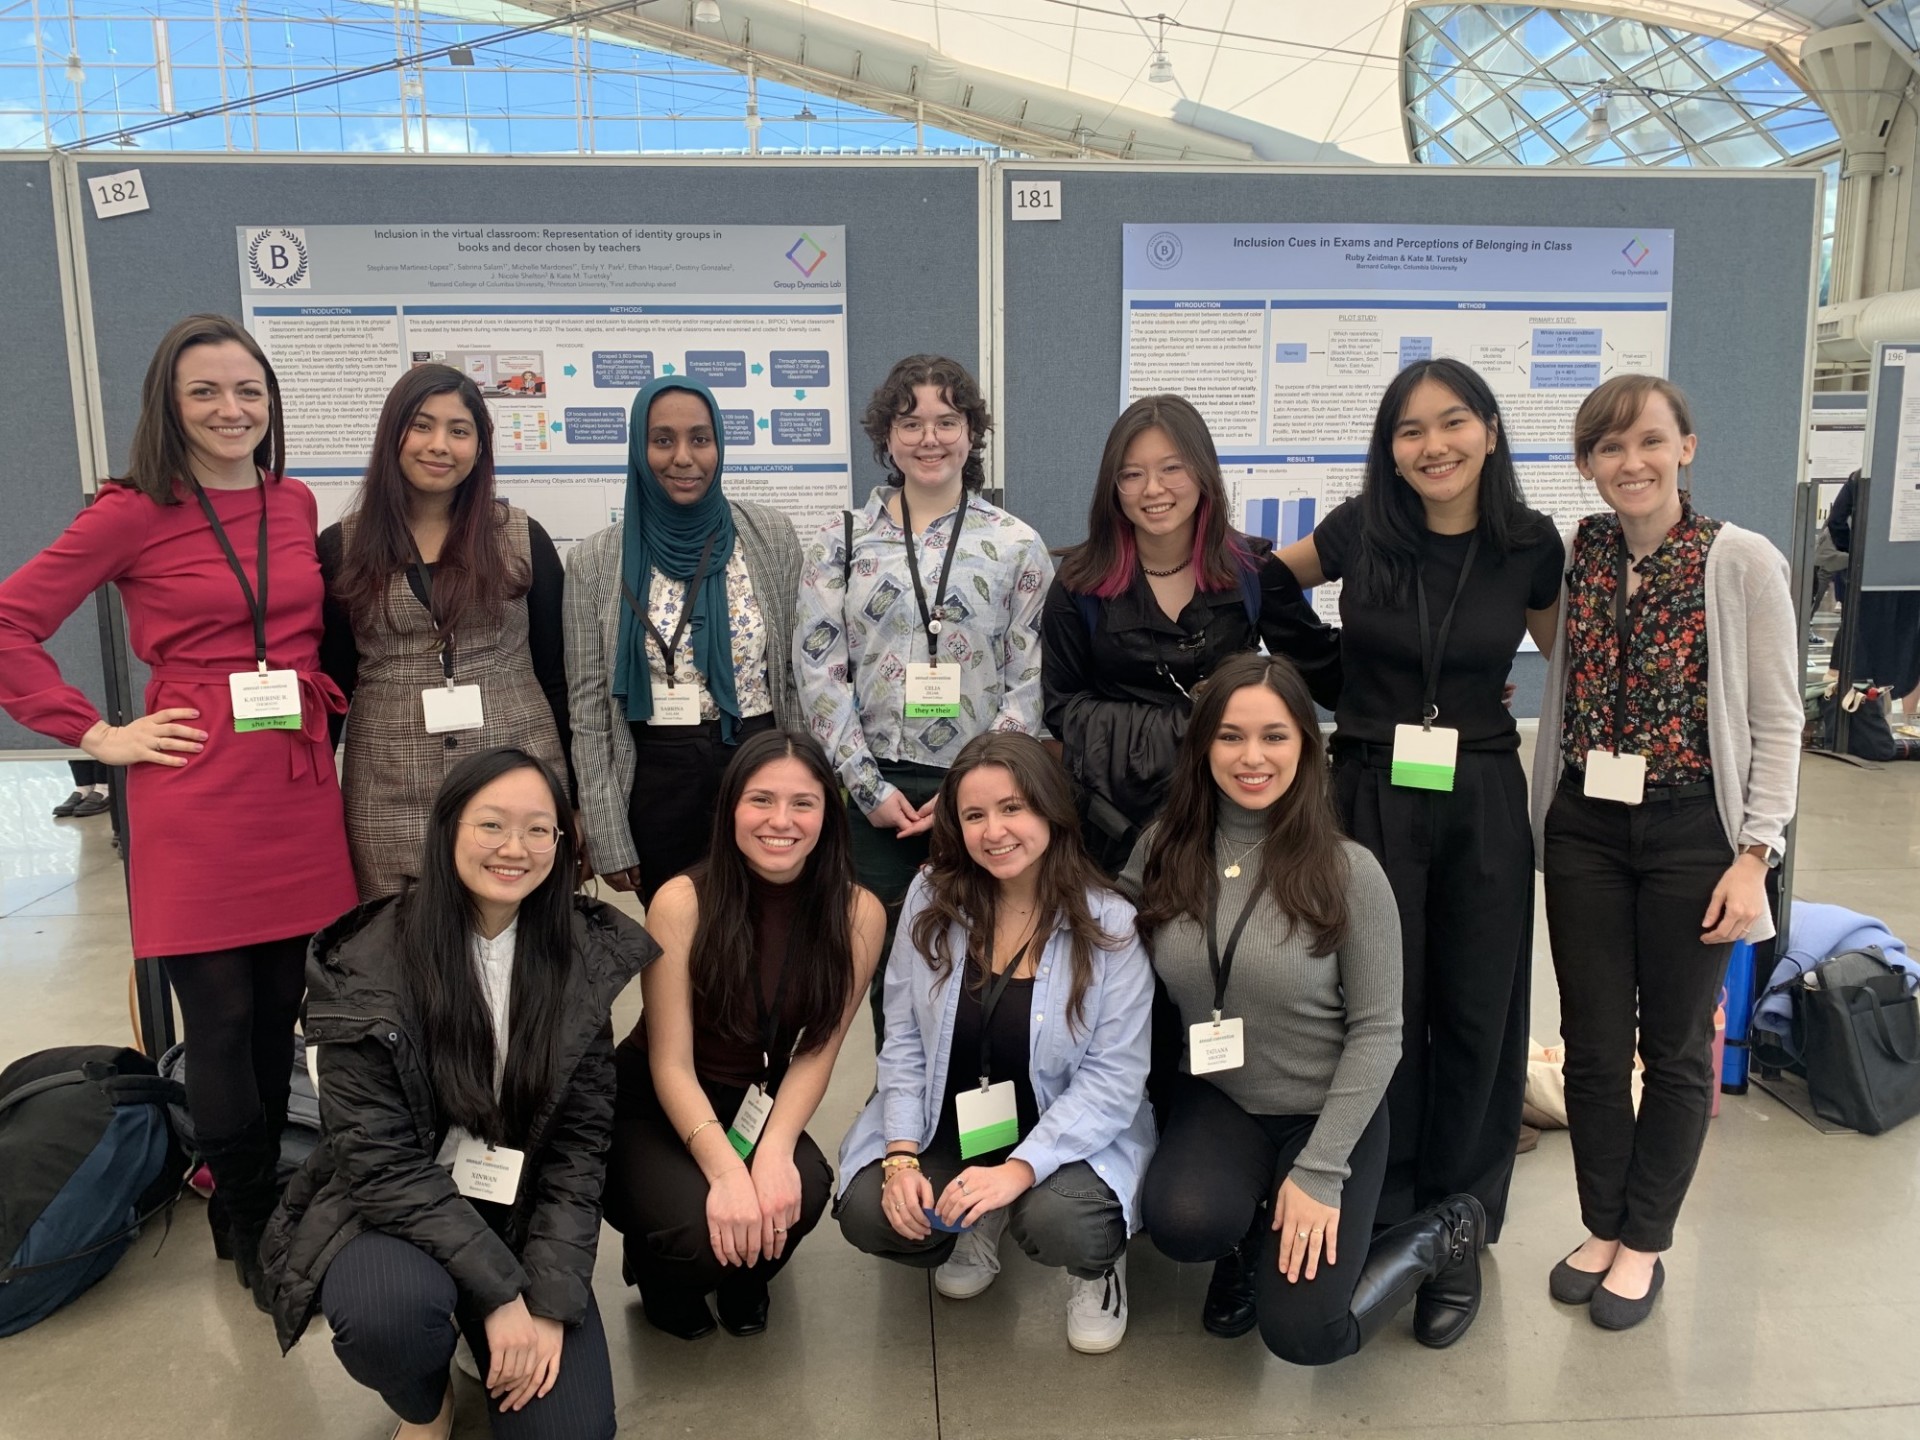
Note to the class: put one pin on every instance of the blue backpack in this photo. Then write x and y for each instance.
(86, 1157)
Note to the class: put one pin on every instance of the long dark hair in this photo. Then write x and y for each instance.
(1103, 563)
(436, 923)
(724, 960)
(160, 457)
(895, 398)
(1303, 866)
(1392, 517)
(961, 892)
(474, 574)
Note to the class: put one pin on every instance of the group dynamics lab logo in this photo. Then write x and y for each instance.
(1635, 251)
(277, 259)
(806, 255)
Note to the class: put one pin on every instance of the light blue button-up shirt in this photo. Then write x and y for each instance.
(1089, 1080)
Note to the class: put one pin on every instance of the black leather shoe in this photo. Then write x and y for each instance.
(743, 1306)
(1615, 1312)
(94, 803)
(67, 806)
(1448, 1302)
(686, 1316)
(1228, 1311)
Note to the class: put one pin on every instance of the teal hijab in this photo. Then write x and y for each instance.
(660, 535)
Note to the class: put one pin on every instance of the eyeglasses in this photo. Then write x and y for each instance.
(946, 429)
(491, 835)
(1171, 477)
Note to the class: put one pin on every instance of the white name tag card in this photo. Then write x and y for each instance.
(989, 1119)
(265, 700)
(675, 704)
(1616, 777)
(1424, 759)
(1214, 1045)
(447, 708)
(749, 1120)
(485, 1172)
(933, 692)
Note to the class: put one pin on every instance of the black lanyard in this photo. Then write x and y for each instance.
(256, 604)
(770, 1015)
(930, 620)
(1433, 648)
(990, 999)
(669, 649)
(1622, 634)
(425, 579)
(1222, 965)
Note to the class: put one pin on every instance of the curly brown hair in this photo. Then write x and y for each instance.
(957, 387)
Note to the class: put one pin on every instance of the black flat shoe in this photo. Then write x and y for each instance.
(1573, 1287)
(93, 804)
(1615, 1312)
(1447, 1303)
(1228, 1311)
(684, 1316)
(67, 806)
(743, 1307)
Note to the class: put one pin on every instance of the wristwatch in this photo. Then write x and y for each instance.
(1763, 853)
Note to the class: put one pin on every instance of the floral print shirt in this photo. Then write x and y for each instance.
(744, 622)
(870, 624)
(1665, 712)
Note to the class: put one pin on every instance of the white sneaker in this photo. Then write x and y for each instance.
(975, 1260)
(1097, 1311)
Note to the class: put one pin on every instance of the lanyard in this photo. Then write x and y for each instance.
(1622, 633)
(930, 620)
(770, 1015)
(990, 999)
(1433, 648)
(669, 649)
(425, 579)
(256, 604)
(1222, 965)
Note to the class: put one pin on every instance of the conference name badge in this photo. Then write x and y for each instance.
(933, 692)
(675, 704)
(1216, 1045)
(1616, 777)
(447, 708)
(989, 1119)
(265, 699)
(749, 1120)
(1423, 759)
(487, 1172)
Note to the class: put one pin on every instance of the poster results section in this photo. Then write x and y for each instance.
(1284, 337)
(559, 326)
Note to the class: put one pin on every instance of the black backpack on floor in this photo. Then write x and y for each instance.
(86, 1157)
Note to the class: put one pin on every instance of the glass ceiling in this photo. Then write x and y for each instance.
(1519, 85)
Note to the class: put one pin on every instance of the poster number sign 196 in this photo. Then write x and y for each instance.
(120, 194)
(1036, 200)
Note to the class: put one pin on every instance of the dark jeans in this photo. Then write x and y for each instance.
(676, 783)
(1070, 1221)
(395, 1314)
(656, 1193)
(1627, 886)
(89, 772)
(1212, 1184)
(1461, 867)
(886, 864)
(239, 1007)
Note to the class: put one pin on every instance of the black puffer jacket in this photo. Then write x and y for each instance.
(375, 1167)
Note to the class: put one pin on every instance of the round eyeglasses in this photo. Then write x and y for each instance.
(947, 428)
(491, 835)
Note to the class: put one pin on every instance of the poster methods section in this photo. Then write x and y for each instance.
(559, 326)
(1284, 337)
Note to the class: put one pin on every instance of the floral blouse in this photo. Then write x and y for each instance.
(744, 622)
(1665, 712)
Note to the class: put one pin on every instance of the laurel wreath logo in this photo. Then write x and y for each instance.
(277, 282)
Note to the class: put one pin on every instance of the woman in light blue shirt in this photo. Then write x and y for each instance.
(1012, 1088)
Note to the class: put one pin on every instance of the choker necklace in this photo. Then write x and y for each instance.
(1232, 869)
(1164, 574)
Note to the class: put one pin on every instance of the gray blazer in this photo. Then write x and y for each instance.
(603, 752)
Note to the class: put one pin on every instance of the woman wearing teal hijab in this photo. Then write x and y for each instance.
(679, 632)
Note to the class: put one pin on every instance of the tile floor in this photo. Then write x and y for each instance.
(1790, 1312)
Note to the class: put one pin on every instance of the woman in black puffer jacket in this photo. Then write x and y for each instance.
(465, 1066)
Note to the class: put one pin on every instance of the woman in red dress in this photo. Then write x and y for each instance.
(236, 848)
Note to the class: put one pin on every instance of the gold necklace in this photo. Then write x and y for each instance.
(1232, 869)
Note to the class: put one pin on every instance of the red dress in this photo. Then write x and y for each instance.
(246, 842)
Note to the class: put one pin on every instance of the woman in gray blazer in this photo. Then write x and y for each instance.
(679, 633)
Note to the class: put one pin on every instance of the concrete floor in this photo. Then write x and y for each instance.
(1791, 1305)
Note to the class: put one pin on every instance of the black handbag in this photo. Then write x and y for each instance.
(1861, 1041)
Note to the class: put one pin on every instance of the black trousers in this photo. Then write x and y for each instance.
(657, 1194)
(676, 783)
(1461, 867)
(395, 1315)
(886, 864)
(239, 1007)
(1212, 1184)
(1627, 886)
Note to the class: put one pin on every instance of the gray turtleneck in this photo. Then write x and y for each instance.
(1322, 1031)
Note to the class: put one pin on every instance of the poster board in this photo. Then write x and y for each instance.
(1890, 524)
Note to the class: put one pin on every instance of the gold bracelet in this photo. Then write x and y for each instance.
(691, 1134)
(891, 1163)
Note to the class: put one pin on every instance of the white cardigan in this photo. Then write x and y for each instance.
(1754, 707)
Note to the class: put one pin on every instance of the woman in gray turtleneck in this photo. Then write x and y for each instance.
(1279, 942)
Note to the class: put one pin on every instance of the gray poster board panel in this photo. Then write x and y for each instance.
(41, 484)
(915, 239)
(1744, 252)
(1886, 564)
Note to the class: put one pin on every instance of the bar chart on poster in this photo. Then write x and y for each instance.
(1285, 336)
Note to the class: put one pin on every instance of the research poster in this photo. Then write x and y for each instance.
(1284, 337)
(559, 326)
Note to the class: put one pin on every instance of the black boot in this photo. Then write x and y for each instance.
(743, 1304)
(1433, 1260)
(1449, 1301)
(1228, 1311)
(669, 1307)
(246, 1179)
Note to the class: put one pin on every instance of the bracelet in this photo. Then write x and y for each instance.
(891, 1163)
(691, 1134)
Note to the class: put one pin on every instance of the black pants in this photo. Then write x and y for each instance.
(239, 1007)
(886, 864)
(1070, 1221)
(1461, 867)
(657, 1194)
(676, 782)
(89, 772)
(1212, 1184)
(395, 1316)
(1627, 886)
